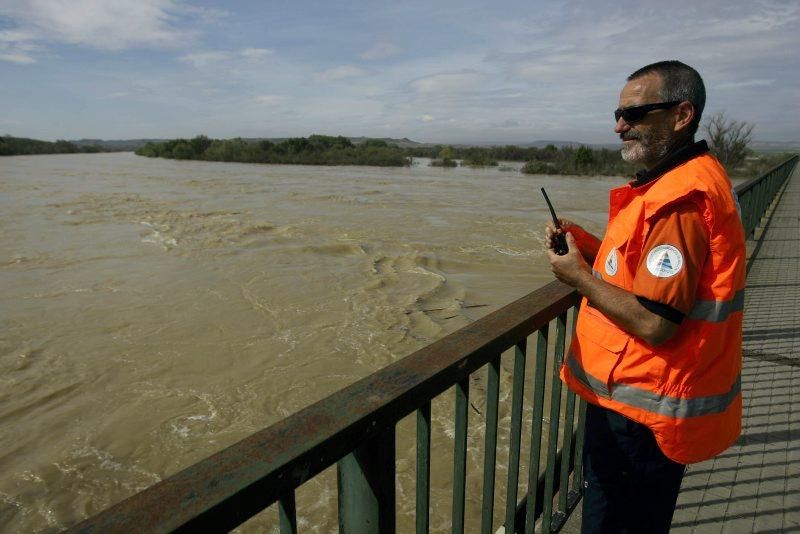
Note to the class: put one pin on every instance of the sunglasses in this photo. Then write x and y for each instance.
(636, 113)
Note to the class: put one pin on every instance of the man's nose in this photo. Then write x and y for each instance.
(621, 126)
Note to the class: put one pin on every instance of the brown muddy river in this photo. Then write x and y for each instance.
(156, 311)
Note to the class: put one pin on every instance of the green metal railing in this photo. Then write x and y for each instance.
(354, 429)
(756, 195)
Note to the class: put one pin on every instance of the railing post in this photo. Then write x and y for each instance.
(287, 512)
(460, 455)
(552, 432)
(366, 480)
(423, 468)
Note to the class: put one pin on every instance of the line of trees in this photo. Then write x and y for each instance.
(339, 150)
(581, 160)
(19, 146)
(314, 150)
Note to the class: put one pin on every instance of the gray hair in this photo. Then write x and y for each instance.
(679, 82)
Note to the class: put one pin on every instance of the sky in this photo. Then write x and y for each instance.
(449, 71)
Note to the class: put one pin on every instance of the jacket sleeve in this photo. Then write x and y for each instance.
(673, 255)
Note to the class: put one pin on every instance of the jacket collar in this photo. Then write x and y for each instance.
(674, 159)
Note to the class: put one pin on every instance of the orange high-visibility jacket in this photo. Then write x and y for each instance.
(687, 390)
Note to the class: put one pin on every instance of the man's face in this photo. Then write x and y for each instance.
(648, 141)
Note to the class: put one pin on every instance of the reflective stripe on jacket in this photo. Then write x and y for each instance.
(687, 390)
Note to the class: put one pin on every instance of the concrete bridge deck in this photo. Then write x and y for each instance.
(755, 485)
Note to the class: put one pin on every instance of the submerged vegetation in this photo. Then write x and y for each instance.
(446, 158)
(547, 160)
(572, 160)
(581, 160)
(314, 150)
(19, 146)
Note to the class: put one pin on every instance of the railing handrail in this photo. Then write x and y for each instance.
(230, 486)
(749, 184)
(234, 484)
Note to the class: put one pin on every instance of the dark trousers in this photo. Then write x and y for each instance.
(630, 485)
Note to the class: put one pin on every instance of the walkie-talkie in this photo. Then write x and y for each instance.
(559, 240)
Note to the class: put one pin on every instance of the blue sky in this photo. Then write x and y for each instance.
(435, 71)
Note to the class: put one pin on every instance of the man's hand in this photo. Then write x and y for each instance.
(587, 244)
(570, 268)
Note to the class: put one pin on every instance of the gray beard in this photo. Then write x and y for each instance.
(649, 148)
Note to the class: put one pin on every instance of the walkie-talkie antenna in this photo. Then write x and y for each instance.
(560, 240)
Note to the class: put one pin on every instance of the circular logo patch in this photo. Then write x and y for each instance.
(611, 262)
(664, 261)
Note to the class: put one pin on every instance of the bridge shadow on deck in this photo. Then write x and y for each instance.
(755, 485)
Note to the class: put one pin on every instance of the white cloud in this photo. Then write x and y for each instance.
(103, 25)
(203, 59)
(16, 36)
(255, 53)
(17, 47)
(381, 51)
(204, 14)
(448, 82)
(753, 23)
(427, 118)
(269, 100)
(341, 73)
(12, 57)
(745, 83)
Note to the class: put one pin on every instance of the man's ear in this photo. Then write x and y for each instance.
(685, 115)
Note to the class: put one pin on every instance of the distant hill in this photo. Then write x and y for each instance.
(132, 145)
(405, 142)
(776, 146)
(546, 142)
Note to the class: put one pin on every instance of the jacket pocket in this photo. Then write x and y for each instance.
(597, 350)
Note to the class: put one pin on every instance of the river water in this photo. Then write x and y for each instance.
(153, 311)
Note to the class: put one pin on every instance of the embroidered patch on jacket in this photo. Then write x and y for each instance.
(611, 262)
(664, 261)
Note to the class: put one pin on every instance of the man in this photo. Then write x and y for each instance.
(657, 346)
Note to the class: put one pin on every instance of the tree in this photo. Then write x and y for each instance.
(584, 157)
(446, 156)
(183, 150)
(64, 147)
(446, 153)
(199, 145)
(297, 145)
(729, 139)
